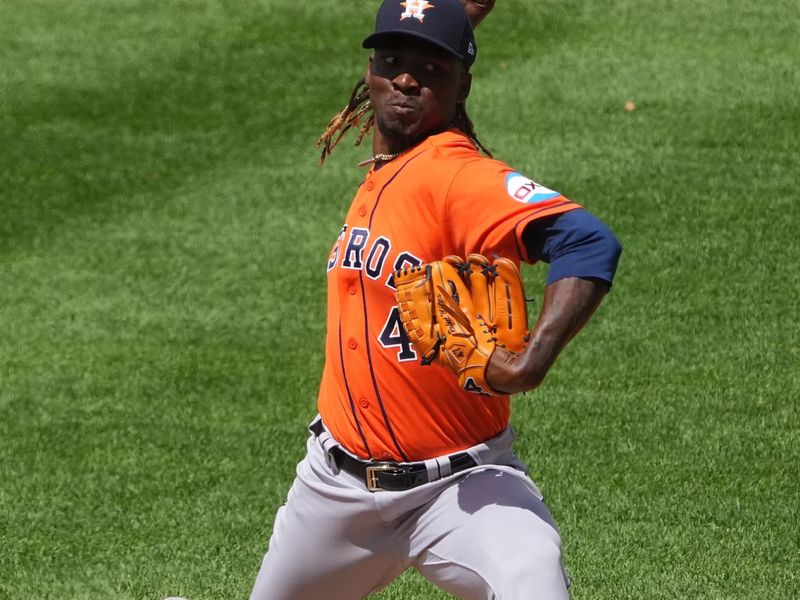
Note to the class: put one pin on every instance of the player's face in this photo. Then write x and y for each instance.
(414, 87)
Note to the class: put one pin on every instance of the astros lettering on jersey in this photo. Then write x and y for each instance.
(450, 200)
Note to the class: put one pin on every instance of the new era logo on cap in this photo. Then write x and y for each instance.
(415, 9)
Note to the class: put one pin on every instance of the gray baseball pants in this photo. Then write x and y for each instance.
(484, 533)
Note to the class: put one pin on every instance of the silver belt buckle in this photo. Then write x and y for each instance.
(372, 476)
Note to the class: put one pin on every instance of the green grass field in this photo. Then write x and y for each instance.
(164, 226)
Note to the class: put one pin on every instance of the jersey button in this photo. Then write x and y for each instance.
(370, 186)
(352, 290)
(364, 403)
(352, 344)
(362, 211)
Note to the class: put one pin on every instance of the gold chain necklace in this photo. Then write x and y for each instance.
(380, 158)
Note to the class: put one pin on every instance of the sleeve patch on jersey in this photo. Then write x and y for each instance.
(527, 191)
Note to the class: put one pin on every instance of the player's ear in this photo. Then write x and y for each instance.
(464, 85)
(369, 66)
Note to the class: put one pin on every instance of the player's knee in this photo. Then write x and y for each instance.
(535, 573)
(545, 558)
(539, 552)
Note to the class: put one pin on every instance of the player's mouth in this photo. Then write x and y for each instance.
(403, 108)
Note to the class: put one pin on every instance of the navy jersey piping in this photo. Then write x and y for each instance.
(350, 395)
(386, 419)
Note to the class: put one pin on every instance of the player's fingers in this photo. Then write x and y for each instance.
(481, 283)
(452, 259)
(457, 284)
(511, 314)
(452, 304)
(460, 265)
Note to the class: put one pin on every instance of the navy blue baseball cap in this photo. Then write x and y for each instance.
(443, 23)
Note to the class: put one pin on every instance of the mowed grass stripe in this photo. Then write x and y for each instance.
(164, 234)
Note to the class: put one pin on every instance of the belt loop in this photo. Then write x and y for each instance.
(478, 452)
(331, 462)
(432, 465)
(326, 442)
(445, 467)
(438, 468)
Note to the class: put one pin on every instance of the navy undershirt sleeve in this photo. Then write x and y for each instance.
(575, 244)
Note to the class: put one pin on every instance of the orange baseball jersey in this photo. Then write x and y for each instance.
(441, 197)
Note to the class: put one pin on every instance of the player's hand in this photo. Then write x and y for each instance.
(477, 10)
(502, 372)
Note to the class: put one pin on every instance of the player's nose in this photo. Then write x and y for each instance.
(406, 83)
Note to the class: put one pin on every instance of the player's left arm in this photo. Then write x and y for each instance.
(583, 255)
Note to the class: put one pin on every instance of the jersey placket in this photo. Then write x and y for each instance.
(355, 339)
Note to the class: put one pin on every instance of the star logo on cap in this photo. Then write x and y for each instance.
(415, 9)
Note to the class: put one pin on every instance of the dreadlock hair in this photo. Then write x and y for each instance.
(350, 116)
(360, 108)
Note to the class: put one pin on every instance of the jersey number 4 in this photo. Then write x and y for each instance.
(394, 336)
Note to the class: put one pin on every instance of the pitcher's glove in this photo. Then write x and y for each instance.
(456, 313)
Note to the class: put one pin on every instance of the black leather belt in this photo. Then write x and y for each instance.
(390, 476)
(394, 477)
